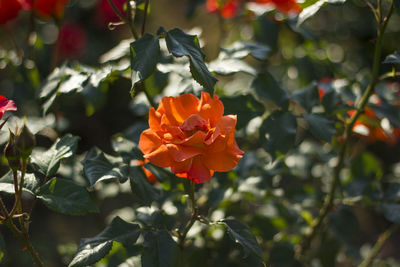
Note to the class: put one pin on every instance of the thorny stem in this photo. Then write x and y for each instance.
(378, 245)
(146, 7)
(328, 203)
(7, 217)
(122, 18)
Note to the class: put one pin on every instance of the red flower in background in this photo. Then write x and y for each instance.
(284, 6)
(9, 10)
(72, 41)
(191, 136)
(6, 105)
(227, 8)
(47, 8)
(106, 14)
(368, 127)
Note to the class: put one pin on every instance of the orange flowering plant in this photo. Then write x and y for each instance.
(221, 145)
(191, 136)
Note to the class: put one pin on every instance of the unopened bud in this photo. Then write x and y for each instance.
(25, 142)
(12, 154)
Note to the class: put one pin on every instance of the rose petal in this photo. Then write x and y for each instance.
(227, 124)
(180, 153)
(154, 120)
(6, 105)
(225, 159)
(177, 109)
(197, 139)
(198, 172)
(149, 141)
(160, 157)
(193, 122)
(211, 109)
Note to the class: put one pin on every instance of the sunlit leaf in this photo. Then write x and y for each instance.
(182, 44)
(93, 249)
(311, 10)
(47, 163)
(393, 58)
(31, 183)
(240, 50)
(144, 57)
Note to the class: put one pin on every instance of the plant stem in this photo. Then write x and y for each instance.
(328, 202)
(24, 237)
(146, 7)
(122, 18)
(378, 245)
(193, 218)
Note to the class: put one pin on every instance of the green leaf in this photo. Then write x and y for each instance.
(141, 188)
(307, 97)
(268, 89)
(47, 163)
(320, 127)
(311, 10)
(240, 50)
(144, 57)
(391, 211)
(93, 249)
(159, 249)
(266, 31)
(99, 167)
(65, 196)
(245, 106)
(31, 183)
(278, 133)
(63, 80)
(242, 234)
(393, 58)
(182, 44)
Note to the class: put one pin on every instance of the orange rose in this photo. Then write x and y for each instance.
(191, 136)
